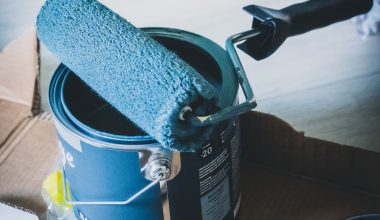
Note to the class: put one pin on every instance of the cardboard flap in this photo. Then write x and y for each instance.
(270, 141)
(19, 68)
(12, 118)
(272, 195)
(24, 165)
(19, 96)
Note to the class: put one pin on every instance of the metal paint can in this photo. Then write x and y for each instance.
(107, 159)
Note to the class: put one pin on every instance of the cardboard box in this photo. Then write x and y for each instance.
(285, 175)
(27, 138)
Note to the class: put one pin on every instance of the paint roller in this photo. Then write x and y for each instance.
(139, 77)
(152, 86)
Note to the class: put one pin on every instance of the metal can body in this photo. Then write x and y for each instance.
(106, 158)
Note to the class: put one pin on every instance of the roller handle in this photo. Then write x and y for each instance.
(277, 25)
(315, 14)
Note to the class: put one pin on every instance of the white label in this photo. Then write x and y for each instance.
(213, 172)
(216, 203)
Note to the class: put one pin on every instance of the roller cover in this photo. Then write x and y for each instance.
(139, 77)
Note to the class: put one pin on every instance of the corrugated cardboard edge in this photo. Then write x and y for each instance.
(19, 69)
(36, 103)
(20, 133)
(270, 141)
(7, 145)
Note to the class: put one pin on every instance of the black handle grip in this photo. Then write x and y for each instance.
(315, 14)
(277, 25)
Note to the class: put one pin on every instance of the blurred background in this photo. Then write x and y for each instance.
(325, 82)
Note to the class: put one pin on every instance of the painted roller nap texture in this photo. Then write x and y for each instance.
(135, 74)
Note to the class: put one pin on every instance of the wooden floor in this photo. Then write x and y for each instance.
(326, 82)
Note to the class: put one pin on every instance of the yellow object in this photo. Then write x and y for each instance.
(53, 185)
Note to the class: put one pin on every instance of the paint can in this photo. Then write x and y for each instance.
(115, 171)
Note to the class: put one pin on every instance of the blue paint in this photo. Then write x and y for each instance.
(139, 77)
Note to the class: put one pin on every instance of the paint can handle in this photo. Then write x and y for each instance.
(234, 110)
(159, 177)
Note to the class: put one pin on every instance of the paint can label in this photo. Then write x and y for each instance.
(216, 203)
(206, 186)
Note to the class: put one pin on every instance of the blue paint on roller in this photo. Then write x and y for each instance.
(135, 74)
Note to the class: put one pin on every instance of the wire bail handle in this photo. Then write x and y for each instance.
(158, 170)
(231, 111)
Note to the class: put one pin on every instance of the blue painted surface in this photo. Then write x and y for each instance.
(97, 174)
